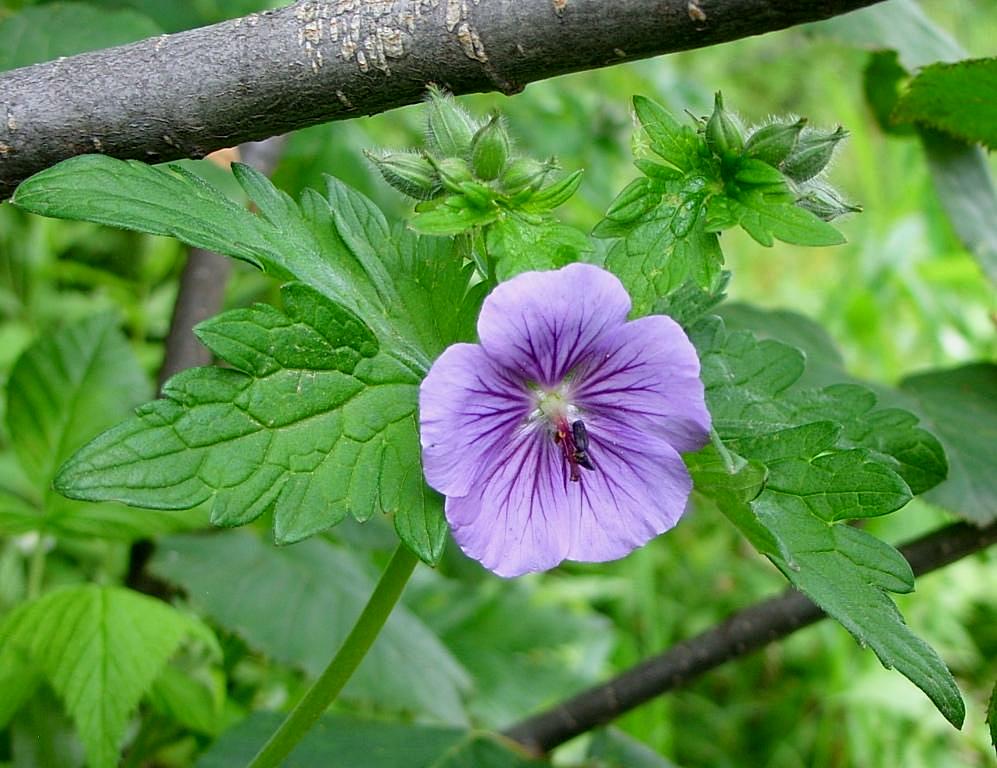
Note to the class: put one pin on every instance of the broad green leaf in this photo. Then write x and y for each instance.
(314, 422)
(882, 80)
(768, 220)
(959, 99)
(19, 678)
(965, 187)
(522, 653)
(44, 32)
(958, 406)
(318, 589)
(829, 456)
(338, 741)
(196, 704)
(100, 648)
(518, 245)
(667, 247)
(675, 143)
(64, 389)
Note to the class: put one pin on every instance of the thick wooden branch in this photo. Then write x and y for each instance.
(188, 94)
(741, 634)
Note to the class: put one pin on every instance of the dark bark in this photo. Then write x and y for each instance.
(741, 634)
(187, 94)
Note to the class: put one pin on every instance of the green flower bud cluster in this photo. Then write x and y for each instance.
(467, 161)
(783, 158)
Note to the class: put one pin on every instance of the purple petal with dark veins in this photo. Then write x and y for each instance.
(542, 324)
(468, 408)
(525, 515)
(647, 376)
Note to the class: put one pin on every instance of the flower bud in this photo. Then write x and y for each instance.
(410, 173)
(452, 172)
(450, 128)
(824, 202)
(490, 149)
(772, 143)
(812, 153)
(722, 133)
(525, 173)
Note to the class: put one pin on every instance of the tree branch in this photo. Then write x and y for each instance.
(739, 635)
(188, 94)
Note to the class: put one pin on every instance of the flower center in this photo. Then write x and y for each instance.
(566, 429)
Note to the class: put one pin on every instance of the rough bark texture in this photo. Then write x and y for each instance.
(739, 635)
(188, 94)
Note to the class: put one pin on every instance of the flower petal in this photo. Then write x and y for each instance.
(467, 407)
(525, 515)
(541, 324)
(517, 518)
(638, 490)
(647, 378)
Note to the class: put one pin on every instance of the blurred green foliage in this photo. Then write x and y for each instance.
(901, 296)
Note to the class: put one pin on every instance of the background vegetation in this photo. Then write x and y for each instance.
(903, 295)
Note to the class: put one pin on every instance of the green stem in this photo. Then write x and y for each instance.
(347, 659)
(725, 456)
(36, 568)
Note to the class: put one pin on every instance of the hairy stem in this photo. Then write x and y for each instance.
(344, 663)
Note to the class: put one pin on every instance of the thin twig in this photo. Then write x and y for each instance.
(741, 634)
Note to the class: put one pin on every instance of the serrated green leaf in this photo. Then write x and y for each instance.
(667, 247)
(767, 220)
(959, 99)
(453, 216)
(518, 245)
(844, 570)
(958, 406)
(100, 648)
(551, 196)
(44, 32)
(672, 141)
(316, 423)
(346, 742)
(318, 589)
(829, 456)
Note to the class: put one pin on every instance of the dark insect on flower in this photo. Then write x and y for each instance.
(581, 453)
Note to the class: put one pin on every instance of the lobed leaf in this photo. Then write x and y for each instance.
(821, 457)
(100, 648)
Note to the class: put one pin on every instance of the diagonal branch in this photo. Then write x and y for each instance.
(188, 94)
(744, 632)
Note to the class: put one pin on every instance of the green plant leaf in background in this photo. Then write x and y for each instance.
(958, 405)
(613, 748)
(313, 592)
(518, 245)
(959, 170)
(100, 648)
(824, 466)
(344, 742)
(959, 99)
(63, 390)
(43, 32)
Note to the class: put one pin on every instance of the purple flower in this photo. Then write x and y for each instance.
(558, 436)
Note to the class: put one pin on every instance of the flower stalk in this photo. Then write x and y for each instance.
(324, 690)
